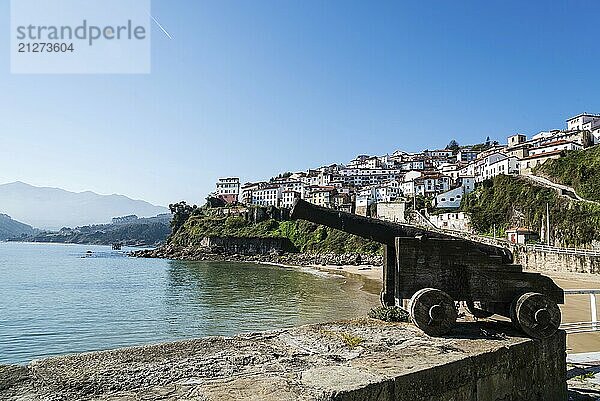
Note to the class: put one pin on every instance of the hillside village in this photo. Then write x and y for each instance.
(385, 186)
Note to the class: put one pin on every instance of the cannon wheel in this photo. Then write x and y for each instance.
(475, 308)
(433, 311)
(536, 314)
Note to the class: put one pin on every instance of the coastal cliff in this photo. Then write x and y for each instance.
(259, 234)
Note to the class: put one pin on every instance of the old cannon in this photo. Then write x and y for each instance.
(435, 270)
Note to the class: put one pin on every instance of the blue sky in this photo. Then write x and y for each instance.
(255, 88)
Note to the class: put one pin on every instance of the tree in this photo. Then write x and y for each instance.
(213, 201)
(181, 213)
(453, 146)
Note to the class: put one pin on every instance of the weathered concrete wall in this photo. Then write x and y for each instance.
(349, 361)
(391, 211)
(554, 262)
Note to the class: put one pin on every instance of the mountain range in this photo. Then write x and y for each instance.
(54, 208)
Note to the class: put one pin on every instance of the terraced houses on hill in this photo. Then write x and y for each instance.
(369, 183)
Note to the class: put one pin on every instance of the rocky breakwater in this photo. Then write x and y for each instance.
(274, 256)
(352, 360)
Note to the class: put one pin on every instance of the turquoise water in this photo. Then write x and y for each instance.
(57, 299)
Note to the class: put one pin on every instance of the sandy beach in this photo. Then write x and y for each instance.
(577, 309)
(370, 272)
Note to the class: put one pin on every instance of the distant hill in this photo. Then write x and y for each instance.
(128, 230)
(54, 208)
(10, 228)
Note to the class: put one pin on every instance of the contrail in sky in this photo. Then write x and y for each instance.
(161, 27)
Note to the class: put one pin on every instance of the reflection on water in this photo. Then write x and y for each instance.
(57, 299)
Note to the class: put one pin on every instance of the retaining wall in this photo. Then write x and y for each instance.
(350, 361)
(555, 262)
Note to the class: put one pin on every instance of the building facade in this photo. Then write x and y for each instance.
(228, 189)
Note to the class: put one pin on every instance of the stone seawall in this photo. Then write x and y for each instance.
(349, 361)
(554, 262)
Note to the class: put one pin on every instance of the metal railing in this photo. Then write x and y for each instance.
(584, 327)
(564, 251)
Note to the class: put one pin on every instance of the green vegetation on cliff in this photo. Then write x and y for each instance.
(579, 169)
(508, 201)
(313, 238)
(306, 237)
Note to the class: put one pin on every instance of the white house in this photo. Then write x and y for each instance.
(428, 184)
(507, 166)
(228, 189)
(450, 199)
(409, 186)
(414, 187)
(436, 183)
(583, 121)
(455, 221)
(450, 170)
(530, 162)
(413, 165)
(468, 183)
(494, 165)
(553, 147)
(361, 177)
(289, 197)
(320, 196)
(468, 170)
(386, 193)
(521, 235)
(445, 153)
(266, 196)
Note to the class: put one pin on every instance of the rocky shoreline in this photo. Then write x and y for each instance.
(282, 258)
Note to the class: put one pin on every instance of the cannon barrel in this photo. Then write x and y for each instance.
(380, 231)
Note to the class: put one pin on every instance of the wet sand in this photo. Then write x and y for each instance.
(577, 309)
(370, 276)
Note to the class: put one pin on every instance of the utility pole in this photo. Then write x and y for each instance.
(494, 230)
(547, 224)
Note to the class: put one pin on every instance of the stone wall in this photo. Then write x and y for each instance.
(342, 361)
(247, 246)
(555, 262)
(391, 211)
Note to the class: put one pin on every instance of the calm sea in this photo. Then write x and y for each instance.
(58, 299)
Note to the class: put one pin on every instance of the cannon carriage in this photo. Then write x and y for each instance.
(434, 270)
